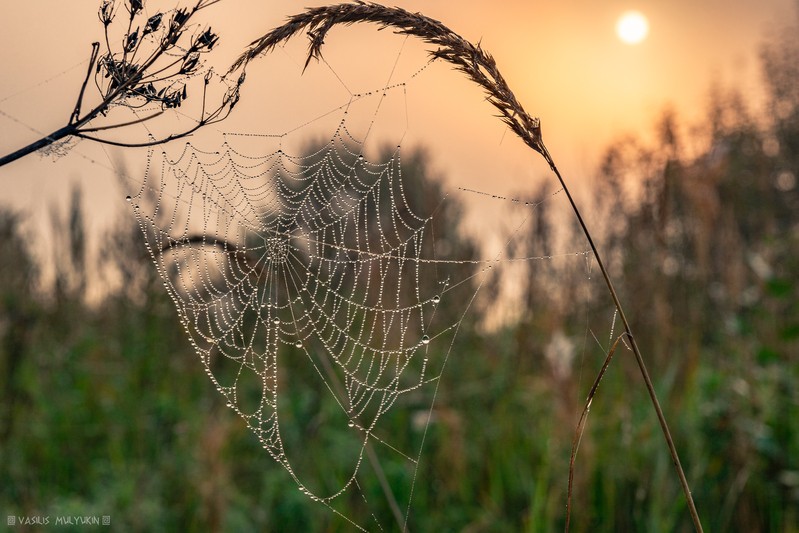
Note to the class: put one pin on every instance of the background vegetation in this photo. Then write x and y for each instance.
(105, 411)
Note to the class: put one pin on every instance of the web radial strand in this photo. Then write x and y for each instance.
(277, 258)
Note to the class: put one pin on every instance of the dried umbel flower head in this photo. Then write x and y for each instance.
(148, 62)
(127, 73)
(106, 12)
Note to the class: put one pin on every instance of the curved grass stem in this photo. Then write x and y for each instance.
(481, 68)
(650, 388)
(578, 432)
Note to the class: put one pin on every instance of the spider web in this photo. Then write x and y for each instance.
(321, 257)
(318, 269)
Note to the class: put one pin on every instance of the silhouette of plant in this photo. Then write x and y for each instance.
(145, 73)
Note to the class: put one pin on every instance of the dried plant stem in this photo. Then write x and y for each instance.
(481, 68)
(650, 388)
(136, 79)
(578, 432)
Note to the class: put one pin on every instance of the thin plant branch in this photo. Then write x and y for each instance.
(122, 124)
(481, 68)
(92, 60)
(578, 432)
(171, 59)
(650, 387)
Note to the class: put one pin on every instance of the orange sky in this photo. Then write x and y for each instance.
(562, 59)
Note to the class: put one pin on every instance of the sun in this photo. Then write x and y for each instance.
(632, 27)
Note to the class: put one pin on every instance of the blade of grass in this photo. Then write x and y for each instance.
(578, 432)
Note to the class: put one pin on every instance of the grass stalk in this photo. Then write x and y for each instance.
(650, 388)
(481, 68)
(578, 432)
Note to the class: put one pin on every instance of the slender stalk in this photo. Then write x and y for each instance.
(578, 432)
(122, 124)
(92, 59)
(650, 388)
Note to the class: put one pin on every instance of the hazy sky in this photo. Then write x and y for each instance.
(562, 59)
